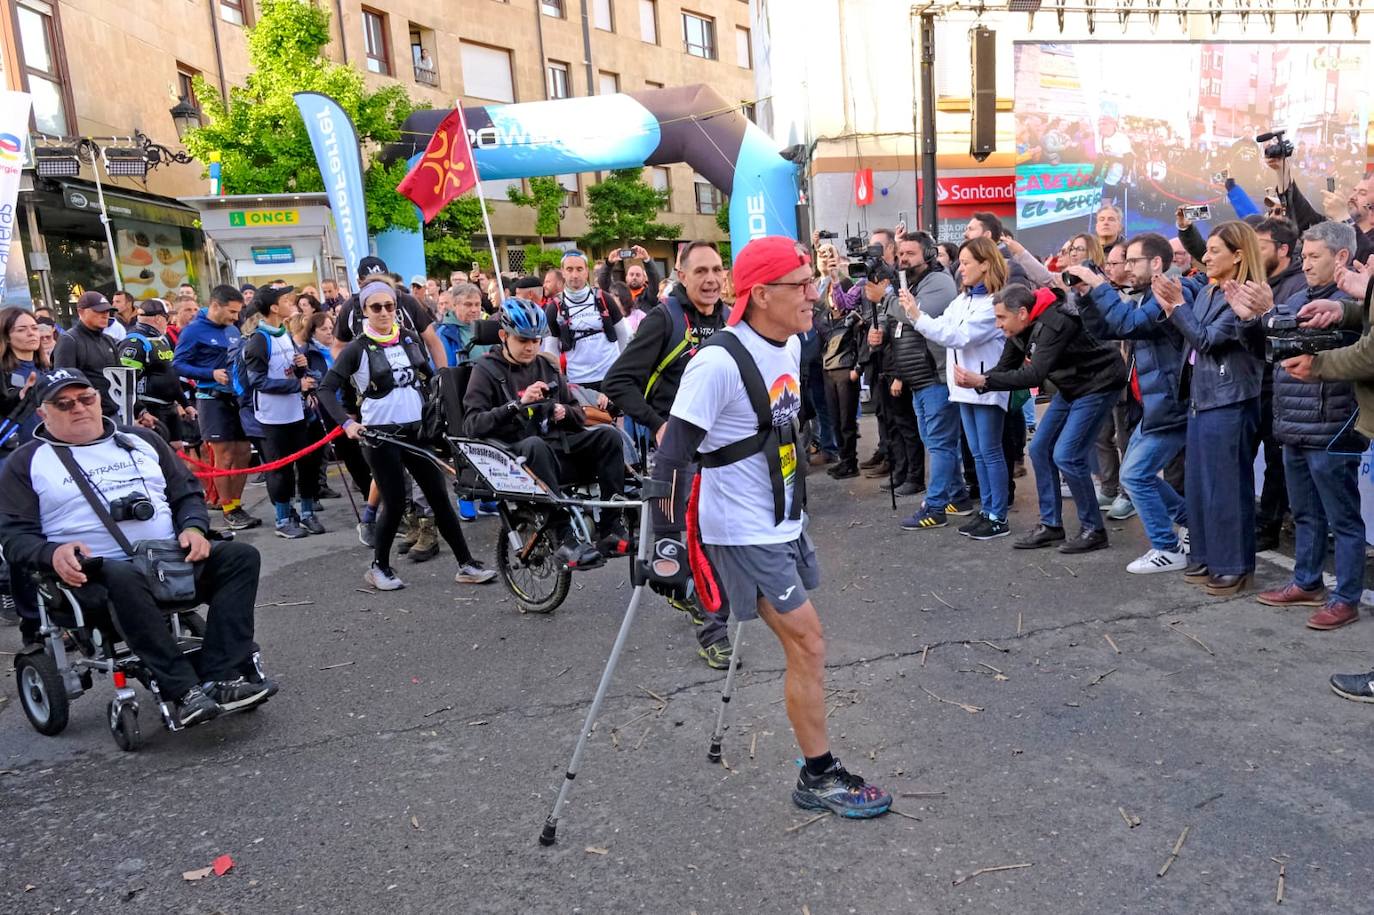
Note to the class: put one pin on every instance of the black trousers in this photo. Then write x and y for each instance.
(389, 466)
(595, 452)
(1273, 501)
(227, 581)
(905, 449)
(842, 399)
(346, 450)
(301, 476)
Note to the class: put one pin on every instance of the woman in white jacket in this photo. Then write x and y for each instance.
(969, 331)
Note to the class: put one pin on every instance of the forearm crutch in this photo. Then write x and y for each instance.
(651, 489)
(713, 754)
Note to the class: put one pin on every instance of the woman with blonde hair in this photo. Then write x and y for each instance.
(968, 329)
(1223, 371)
(1083, 248)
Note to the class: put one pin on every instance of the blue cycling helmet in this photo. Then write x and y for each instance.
(520, 318)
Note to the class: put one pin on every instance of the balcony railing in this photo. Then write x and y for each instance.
(426, 76)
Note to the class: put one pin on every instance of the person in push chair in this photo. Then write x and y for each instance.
(516, 398)
(85, 490)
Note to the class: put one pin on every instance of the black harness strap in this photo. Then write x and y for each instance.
(769, 439)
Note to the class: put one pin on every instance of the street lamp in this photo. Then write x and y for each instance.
(185, 115)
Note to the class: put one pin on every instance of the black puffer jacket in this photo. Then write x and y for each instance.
(906, 356)
(92, 352)
(1312, 414)
(1056, 348)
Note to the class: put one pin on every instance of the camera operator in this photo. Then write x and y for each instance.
(840, 360)
(641, 279)
(149, 495)
(1134, 315)
(1321, 462)
(896, 416)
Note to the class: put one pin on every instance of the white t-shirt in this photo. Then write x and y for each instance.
(402, 404)
(591, 359)
(279, 409)
(737, 500)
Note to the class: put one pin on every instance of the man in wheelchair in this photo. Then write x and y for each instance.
(143, 493)
(522, 401)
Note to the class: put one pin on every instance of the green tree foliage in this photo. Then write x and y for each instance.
(545, 198)
(622, 210)
(538, 259)
(448, 238)
(259, 134)
(723, 216)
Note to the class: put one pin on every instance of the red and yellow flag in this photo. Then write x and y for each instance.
(445, 171)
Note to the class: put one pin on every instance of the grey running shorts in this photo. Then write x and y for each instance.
(781, 573)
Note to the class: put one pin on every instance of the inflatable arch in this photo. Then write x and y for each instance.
(690, 124)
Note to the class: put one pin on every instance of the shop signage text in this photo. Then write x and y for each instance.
(970, 190)
(276, 254)
(253, 218)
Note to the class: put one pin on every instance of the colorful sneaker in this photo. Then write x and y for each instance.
(382, 578)
(474, 573)
(467, 510)
(961, 508)
(689, 607)
(1355, 687)
(717, 654)
(841, 793)
(925, 520)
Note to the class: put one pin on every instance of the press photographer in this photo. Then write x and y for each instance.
(82, 499)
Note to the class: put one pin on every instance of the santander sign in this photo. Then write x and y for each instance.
(973, 189)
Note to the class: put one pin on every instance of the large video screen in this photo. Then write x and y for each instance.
(1149, 127)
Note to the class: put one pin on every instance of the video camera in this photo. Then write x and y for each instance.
(1071, 280)
(1279, 148)
(867, 263)
(1285, 338)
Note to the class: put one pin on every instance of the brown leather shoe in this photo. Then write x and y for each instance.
(1196, 574)
(1226, 585)
(878, 470)
(1334, 615)
(1290, 595)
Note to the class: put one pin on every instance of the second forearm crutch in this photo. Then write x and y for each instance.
(651, 489)
(713, 754)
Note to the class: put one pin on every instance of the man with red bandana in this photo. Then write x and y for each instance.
(738, 408)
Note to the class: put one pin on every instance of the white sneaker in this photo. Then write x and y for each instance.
(1105, 501)
(1158, 561)
(383, 579)
(1121, 508)
(1183, 540)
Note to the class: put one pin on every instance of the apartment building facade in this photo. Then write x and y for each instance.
(114, 68)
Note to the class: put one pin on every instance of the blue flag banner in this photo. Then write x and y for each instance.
(341, 165)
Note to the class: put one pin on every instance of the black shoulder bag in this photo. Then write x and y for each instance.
(171, 579)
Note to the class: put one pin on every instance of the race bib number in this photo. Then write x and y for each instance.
(788, 455)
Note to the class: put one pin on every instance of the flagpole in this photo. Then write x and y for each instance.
(482, 199)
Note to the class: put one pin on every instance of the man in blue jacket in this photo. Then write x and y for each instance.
(202, 355)
(1133, 314)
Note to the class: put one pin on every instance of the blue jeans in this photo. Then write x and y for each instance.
(1064, 439)
(1028, 411)
(1219, 482)
(938, 421)
(1323, 491)
(983, 429)
(1159, 504)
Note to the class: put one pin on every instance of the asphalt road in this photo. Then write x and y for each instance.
(419, 739)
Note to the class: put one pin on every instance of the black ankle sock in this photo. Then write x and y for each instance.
(816, 765)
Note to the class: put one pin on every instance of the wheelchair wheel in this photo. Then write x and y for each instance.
(540, 583)
(42, 692)
(124, 726)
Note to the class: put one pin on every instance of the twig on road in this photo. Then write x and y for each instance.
(1069, 570)
(990, 870)
(1100, 677)
(1042, 570)
(1192, 638)
(562, 672)
(1018, 624)
(753, 742)
(805, 823)
(1283, 870)
(1111, 643)
(994, 647)
(661, 700)
(438, 711)
(936, 595)
(924, 651)
(921, 794)
(1132, 821)
(971, 709)
(284, 603)
(340, 664)
(989, 667)
(901, 814)
(1173, 855)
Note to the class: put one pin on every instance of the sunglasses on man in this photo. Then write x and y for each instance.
(68, 404)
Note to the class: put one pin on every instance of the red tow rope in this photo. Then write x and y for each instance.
(208, 471)
(708, 589)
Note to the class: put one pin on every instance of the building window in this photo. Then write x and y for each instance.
(375, 42)
(602, 17)
(648, 21)
(552, 8)
(487, 72)
(699, 35)
(422, 57)
(43, 65)
(572, 196)
(235, 11)
(186, 87)
(743, 52)
(708, 197)
(607, 83)
(660, 181)
(558, 80)
(750, 111)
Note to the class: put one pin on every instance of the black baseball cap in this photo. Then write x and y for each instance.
(269, 295)
(94, 300)
(153, 308)
(529, 282)
(59, 379)
(372, 266)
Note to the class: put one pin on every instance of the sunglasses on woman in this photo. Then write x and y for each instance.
(379, 307)
(68, 404)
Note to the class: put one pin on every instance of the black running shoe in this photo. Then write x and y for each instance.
(239, 693)
(992, 529)
(968, 527)
(1355, 687)
(240, 520)
(195, 707)
(841, 793)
